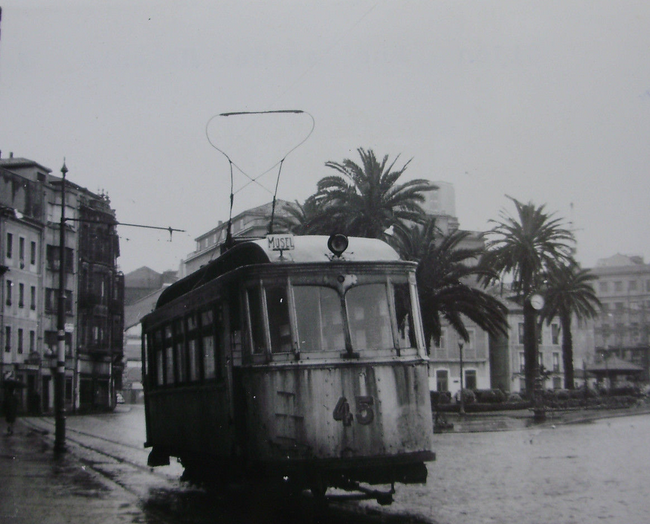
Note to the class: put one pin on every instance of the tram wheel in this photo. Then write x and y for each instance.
(318, 489)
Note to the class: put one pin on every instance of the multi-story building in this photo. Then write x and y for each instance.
(100, 308)
(623, 327)
(143, 287)
(507, 355)
(441, 204)
(30, 242)
(252, 223)
(444, 367)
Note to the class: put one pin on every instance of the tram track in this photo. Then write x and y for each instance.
(102, 451)
(132, 477)
(167, 500)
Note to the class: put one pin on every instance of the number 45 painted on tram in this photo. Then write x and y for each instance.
(364, 415)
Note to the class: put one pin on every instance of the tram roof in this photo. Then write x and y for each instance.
(305, 249)
(313, 248)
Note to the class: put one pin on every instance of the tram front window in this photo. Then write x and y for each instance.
(404, 312)
(279, 324)
(369, 317)
(319, 319)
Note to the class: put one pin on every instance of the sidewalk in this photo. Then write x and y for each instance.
(39, 487)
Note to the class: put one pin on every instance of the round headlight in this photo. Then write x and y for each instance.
(337, 244)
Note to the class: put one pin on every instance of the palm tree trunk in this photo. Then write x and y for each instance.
(531, 364)
(567, 350)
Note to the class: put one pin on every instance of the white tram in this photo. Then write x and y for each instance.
(295, 358)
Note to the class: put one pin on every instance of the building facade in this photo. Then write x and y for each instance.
(623, 327)
(30, 218)
(507, 355)
(445, 357)
(252, 223)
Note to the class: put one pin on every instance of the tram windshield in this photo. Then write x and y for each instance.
(379, 317)
(319, 318)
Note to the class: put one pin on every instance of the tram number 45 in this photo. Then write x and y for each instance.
(364, 415)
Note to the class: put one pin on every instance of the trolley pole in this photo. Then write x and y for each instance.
(59, 389)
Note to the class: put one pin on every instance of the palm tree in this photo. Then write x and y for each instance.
(412, 243)
(303, 219)
(444, 274)
(525, 248)
(569, 292)
(366, 200)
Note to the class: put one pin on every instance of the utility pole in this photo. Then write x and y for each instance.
(59, 377)
(461, 411)
(59, 385)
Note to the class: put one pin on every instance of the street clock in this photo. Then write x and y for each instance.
(537, 301)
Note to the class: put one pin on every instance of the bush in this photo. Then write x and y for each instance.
(440, 398)
(490, 396)
(469, 397)
(625, 391)
(514, 397)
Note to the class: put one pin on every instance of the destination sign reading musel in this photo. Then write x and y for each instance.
(280, 242)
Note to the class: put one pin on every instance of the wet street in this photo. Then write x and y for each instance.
(581, 473)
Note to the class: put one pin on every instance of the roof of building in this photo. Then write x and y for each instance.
(134, 312)
(14, 162)
(260, 211)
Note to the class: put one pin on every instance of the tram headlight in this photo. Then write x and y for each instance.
(337, 244)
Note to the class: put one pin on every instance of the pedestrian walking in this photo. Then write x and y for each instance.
(10, 408)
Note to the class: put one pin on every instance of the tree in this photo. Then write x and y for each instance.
(444, 275)
(568, 293)
(302, 219)
(526, 247)
(412, 243)
(365, 200)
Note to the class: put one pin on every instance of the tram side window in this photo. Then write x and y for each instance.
(319, 318)
(256, 319)
(160, 364)
(404, 313)
(169, 356)
(279, 324)
(179, 339)
(368, 316)
(194, 369)
(207, 339)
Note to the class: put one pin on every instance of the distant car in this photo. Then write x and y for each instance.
(119, 398)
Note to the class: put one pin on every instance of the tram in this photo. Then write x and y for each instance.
(294, 358)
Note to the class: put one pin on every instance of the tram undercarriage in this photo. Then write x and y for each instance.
(317, 476)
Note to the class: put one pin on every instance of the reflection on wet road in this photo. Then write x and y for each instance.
(587, 473)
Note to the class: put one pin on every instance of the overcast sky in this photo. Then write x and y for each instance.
(546, 101)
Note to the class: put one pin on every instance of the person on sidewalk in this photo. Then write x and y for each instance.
(10, 408)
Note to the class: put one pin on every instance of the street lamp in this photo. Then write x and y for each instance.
(59, 384)
(461, 411)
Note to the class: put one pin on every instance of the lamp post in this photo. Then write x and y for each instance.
(461, 411)
(59, 385)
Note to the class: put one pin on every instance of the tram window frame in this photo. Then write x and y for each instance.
(324, 343)
(146, 347)
(159, 358)
(280, 327)
(207, 332)
(193, 344)
(257, 319)
(180, 354)
(401, 288)
(168, 350)
(360, 322)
